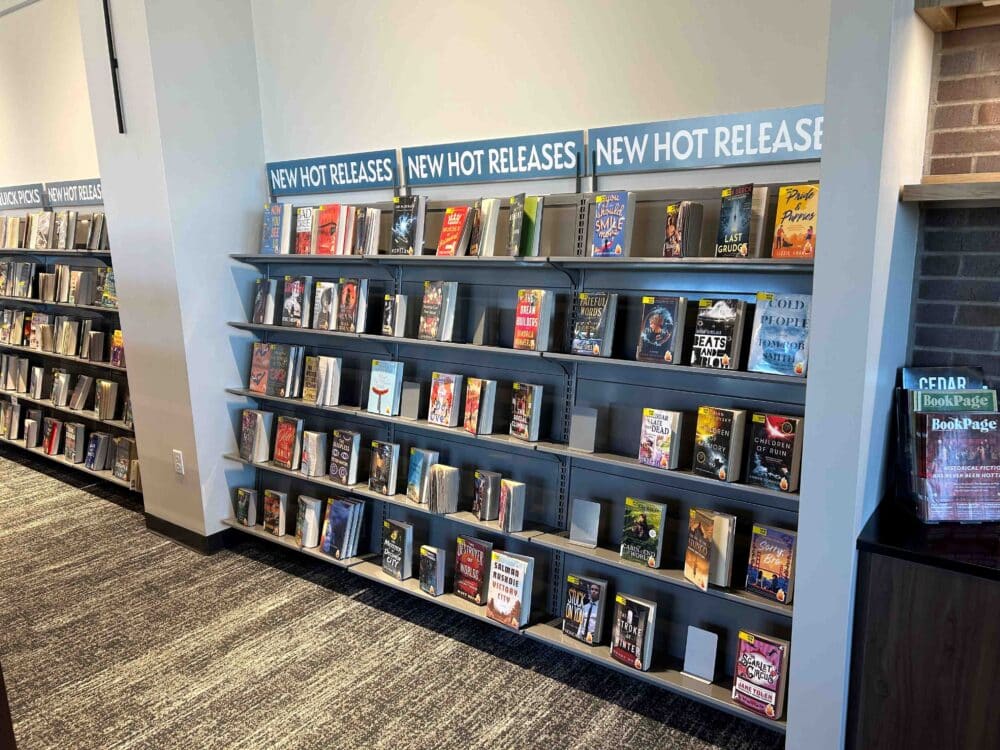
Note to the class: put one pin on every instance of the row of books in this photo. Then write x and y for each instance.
(716, 337)
(19, 377)
(338, 229)
(61, 334)
(948, 430)
(55, 230)
(64, 284)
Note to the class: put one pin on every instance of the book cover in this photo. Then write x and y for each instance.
(698, 557)
(775, 452)
(325, 307)
(780, 341)
(286, 440)
(381, 478)
(419, 471)
(583, 613)
(515, 220)
(246, 499)
(445, 395)
(263, 301)
(344, 448)
(795, 222)
(404, 225)
(471, 572)
(528, 319)
(432, 310)
(397, 538)
(593, 323)
(473, 395)
(486, 495)
(260, 367)
(610, 225)
(307, 521)
(271, 233)
(733, 238)
(294, 309)
(432, 570)
(759, 677)
(303, 230)
(717, 333)
(772, 561)
(662, 329)
(642, 532)
(510, 589)
(335, 528)
(349, 293)
(523, 418)
(454, 230)
(384, 387)
(327, 220)
(958, 465)
(274, 512)
(279, 362)
(630, 642)
(657, 438)
(476, 229)
(716, 443)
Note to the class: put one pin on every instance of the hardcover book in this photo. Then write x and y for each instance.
(780, 341)
(532, 319)
(795, 222)
(384, 387)
(515, 223)
(276, 233)
(525, 411)
(304, 236)
(718, 447)
(437, 310)
(718, 333)
(397, 549)
(352, 305)
(658, 440)
(531, 226)
(682, 230)
(329, 229)
(337, 527)
(295, 308)
(344, 449)
(325, 306)
(594, 323)
(733, 238)
(432, 565)
(583, 615)
(407, 225)
(394, 315)
(642, 532)
(384, 467)
(771, 570)
(775, 452)
(486, 496)
(472, 580)
(480, 397)
(418, 475)
(632, 633)
(446, 398)
(759, 677)
(661, 336)
(510, 588)
(246, 499)
(313, 453)
(487, 217)
(288, 442)
(263, 301)
(455, 231)
(511, 512)
(698, 557)
(307, 522)
(611, 229)
(275, 505)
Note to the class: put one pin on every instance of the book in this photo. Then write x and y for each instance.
(583, 613)
(682, 230)
(486, 495)
(455, 230)
(344, 448)
(308, 521)
(660, 437)
(394, 315)
(771, 570)
(384, 387)
(510, 588)
(407, 225)
(260, 367)
(515, 222)
(533, 319)
(698, 557)
(328, 371)
(718, 333)
(276, 233)
(775, 447)
(340, 517)
(718, 447)
(531, 225)
(397, 549)
(313, 460)
(418, 474)
(526, 405)
(330, 222)
(760, 673)
(779, 343)
(611, 228)
(472, 574)
(445, 400)
(352, 305)
(661, 333)
(295, 307)
(432, 565)
(288, 442)
(722, 543)
(275, 508)
(255, 435)
(795, 222)
(642, 532)
(325, 306)
(483, 242)
(442, 489)
(735, 214)
(594, 323)
(437, 311)
(480, 398)
(584, 522)
(633, 630)
(511, 511)
(305, 233)
(384, 467)
(246, 504)
(263, 301)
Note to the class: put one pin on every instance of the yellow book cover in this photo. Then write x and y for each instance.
(795, 222)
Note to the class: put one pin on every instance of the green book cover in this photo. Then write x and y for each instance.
(531, 226)
(946, 401)
(642, 532)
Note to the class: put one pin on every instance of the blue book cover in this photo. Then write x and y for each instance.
(416, 478)
(270, 238)
(772, 563)
(338, 515)
(780, 343)
(384, 387)
(610, 229)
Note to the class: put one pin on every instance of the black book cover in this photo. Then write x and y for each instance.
(590, 322)
(429, 563)
(393, 548)
(389, 315)
(772, 452)
(716, 333)
(713, 441)
(260, 302)
(516, 222)
(342, 445)
(277, 370)
(659, 329)
(381, 468)
(733, 238)
(430, 311)
(404, 225)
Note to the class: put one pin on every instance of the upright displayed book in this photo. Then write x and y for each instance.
(511, 512)
(661, 333)
(486, 494)
(480, 398)
(472, 571)
(325, 306)
(308, 521)
(718, 447)
(510, 588)
(741, 222)
(531, 227)
(437, 311)
(771, 571)
(795, 222)
(442, 489)
(397, 549)
(384, 467)
(583, 613)
(246, 505)
(418, 474)
(593, 323)
(659, 440)
(407, 225)
(455, 231)
(385, 387)
(276, 234)
(305, 237)
(526, 411)
(515, 224)
(288, 442)
(484, 231)
(698, 557)
(718, 333)
(342, 527)
(313, 460)
(445, 400)
(255, 435)
(780, 341)
(533, 319)
(432, 565)
(265, 291)
(633, 630)
(760, 673)
(352, 305)
(682, 230)
(611, 228)
(345, 446)
(642, 532)
(394, 315)
(775, 447)
(275, 509)
(296, 305)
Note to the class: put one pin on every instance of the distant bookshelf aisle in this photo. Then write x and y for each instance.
(61, 347)
(637, 345)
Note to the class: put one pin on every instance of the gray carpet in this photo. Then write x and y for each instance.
(112, 637)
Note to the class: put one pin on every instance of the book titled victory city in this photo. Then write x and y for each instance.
(510, 588)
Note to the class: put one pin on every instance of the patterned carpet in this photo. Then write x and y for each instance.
(112, 637)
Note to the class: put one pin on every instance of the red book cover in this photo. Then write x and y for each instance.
(473, 392)
(303, 230)
(452, 230)
(284, 442)
(959, 466)
(328, 219)
(259, 367)
(527, 316)
(471, 572)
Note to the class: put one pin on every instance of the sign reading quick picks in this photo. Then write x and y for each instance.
(22, 196)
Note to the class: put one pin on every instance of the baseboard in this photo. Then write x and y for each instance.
(206, 545)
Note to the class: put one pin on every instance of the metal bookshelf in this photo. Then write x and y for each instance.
(618, 386)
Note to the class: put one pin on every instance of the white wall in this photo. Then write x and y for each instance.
(45, 127)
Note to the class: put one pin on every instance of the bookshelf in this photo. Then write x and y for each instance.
(553, 472)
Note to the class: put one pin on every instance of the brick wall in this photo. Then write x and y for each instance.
(964, 125)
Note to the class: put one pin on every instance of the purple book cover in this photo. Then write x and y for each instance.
(757, 684)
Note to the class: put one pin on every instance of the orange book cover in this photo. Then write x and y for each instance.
(795, 222)
(452, 230)
(328, 220)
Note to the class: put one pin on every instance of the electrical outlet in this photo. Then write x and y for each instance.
(179, 462)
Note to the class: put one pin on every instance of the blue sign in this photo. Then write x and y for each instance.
(333, 174)
(765, 136)
(527, 157)
(74, 193)
(22, 196)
